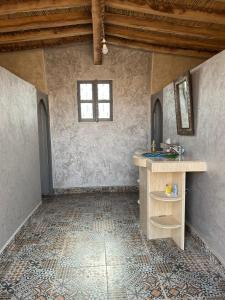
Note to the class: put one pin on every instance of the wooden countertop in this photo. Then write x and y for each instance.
(180, 164)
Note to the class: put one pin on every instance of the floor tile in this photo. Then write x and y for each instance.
(119, 251)
(90, 246)
(30, 284)
(81, 283)
(193, 285)
(82, 253)
(133, 280)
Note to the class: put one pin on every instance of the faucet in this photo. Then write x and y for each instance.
(177, 149)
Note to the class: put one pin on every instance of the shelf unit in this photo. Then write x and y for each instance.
(166, 214)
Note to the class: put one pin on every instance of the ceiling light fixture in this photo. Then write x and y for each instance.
(105, 49)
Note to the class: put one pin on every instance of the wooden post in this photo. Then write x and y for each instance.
(97, 24)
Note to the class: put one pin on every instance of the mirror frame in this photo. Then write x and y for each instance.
(180, 130)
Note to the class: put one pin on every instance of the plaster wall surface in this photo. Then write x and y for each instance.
(206, 196)
(167, 67)
(97, 154)
(19, 155)
(29, 65)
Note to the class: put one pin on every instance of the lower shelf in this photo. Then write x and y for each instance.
(161, 196)
(165, 222)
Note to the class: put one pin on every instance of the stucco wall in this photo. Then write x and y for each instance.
(29, 65)
(166, 68)
(97, 154)
(19, 154)
(206, 197)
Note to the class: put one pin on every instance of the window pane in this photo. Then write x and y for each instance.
(85, 91)
(86, 111)
(103, 91)
(104, 110)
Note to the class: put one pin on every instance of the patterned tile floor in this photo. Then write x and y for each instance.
(89, 246)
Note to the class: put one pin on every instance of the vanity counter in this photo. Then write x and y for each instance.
(179, 164)
(163, 216)
(139, 160)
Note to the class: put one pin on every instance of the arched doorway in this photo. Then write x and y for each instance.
(44, 145)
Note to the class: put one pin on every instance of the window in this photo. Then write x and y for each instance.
(95, 100)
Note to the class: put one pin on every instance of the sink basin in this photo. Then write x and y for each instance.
(160, 154)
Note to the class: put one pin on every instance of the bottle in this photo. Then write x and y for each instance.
(168, 190)
(175, 190)
(153, 147)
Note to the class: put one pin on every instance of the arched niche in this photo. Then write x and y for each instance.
(157, 118)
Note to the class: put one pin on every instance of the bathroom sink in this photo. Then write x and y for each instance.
(160, 155)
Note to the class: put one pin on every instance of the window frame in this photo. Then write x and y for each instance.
(95, 101)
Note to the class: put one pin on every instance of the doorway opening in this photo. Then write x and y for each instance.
(44, 145)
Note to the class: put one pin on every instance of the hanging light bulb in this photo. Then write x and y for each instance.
(105, 49)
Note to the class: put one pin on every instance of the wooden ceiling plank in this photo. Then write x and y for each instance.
(177, 13)
(45, 34)
(44, 43)
(97, 23)
(163, 39)
(44, 21)
(12, 6)
(157, 48)
(162, 26)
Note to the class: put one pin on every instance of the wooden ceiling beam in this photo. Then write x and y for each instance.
(157, 48)
(147, 7)
(45, 34)
(162, 26)
(45, 21)
(163, 39)
(44, 43)
(12, 6)
(97, 23)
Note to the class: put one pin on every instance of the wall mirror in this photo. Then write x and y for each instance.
(184, 105)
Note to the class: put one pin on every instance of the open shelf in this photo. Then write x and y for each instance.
(161, 196)
(165, 222)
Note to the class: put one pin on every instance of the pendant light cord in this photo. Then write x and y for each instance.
(103, 18)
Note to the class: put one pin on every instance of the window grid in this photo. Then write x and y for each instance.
(95, 102)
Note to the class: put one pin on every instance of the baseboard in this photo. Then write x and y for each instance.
(214, 256)
(18, 229)
(96, 189)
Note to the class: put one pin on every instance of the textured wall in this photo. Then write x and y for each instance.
(29, 65)
(206, 200)
(19, 155)
(166, 67)
(97, 154)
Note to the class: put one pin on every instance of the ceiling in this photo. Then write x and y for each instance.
(184, 27)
